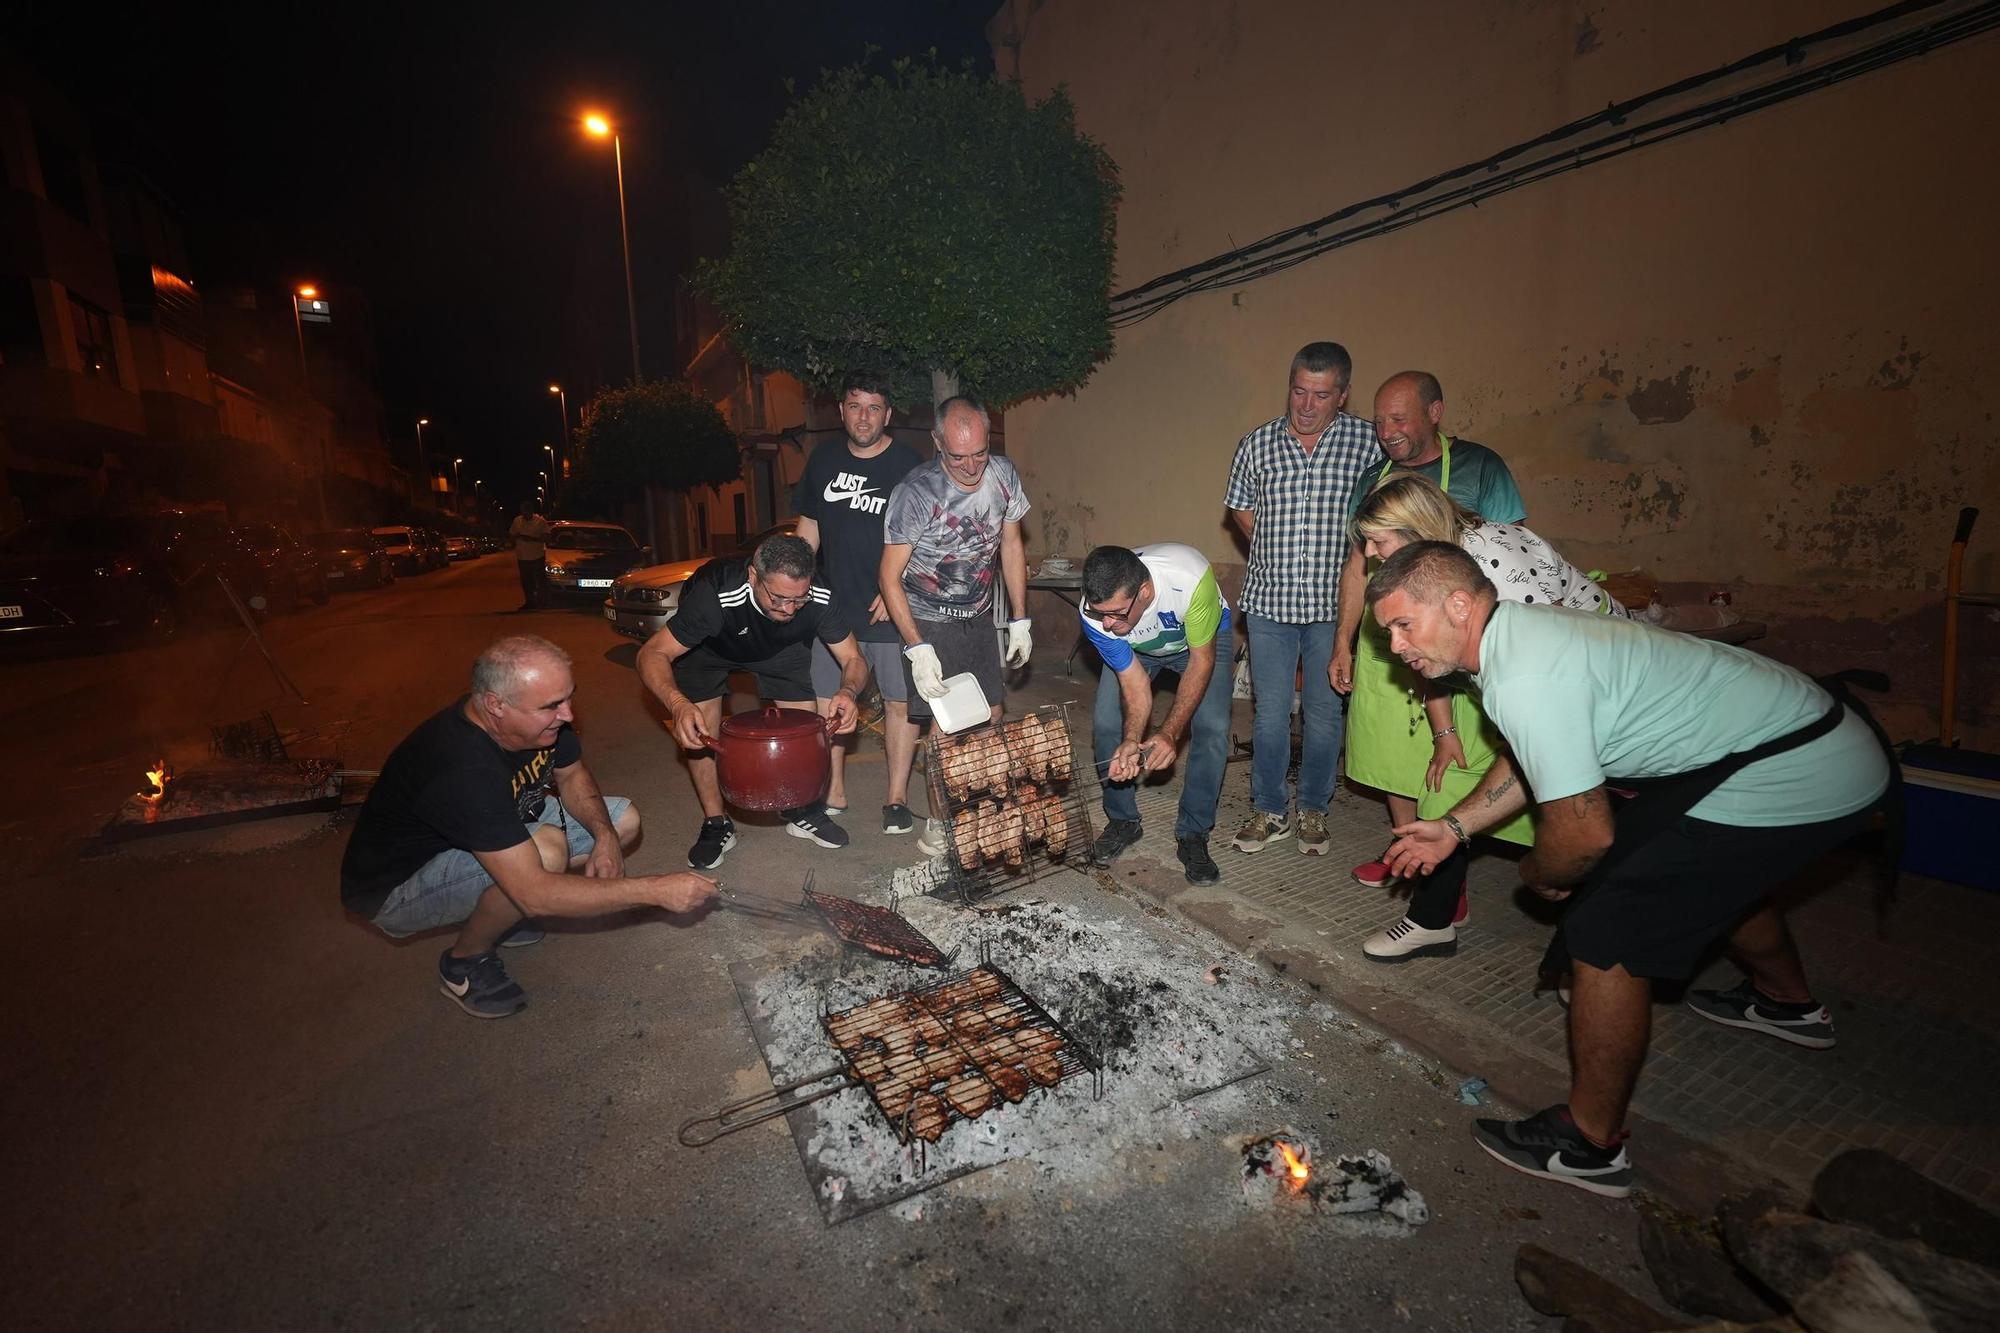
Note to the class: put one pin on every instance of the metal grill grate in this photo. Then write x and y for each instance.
(879, 930)
(1013, 808)
(954, 1050)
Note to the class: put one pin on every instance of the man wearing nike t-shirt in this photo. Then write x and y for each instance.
(839, 501)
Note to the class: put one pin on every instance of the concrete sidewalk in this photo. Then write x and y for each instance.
(1915, 999)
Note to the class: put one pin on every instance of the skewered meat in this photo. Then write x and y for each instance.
(1013, 1084)
(965, 837)
(1057, 818)
(1045, 1069)
(970, 1095)
(927, 1117)
(1055, 733)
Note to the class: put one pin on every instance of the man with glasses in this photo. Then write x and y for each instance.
(953, 529)
(1146, 611)
(758, 615)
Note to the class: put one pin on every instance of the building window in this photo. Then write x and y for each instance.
(93, 338)
(20, 327)
(62, 174)
(742, 521)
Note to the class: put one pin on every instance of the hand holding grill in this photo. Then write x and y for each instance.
(684, 890)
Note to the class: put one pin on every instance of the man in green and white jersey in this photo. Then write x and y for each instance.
(1146, 611)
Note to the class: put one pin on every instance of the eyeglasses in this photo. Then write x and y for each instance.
(791, 603)
(1101, 614)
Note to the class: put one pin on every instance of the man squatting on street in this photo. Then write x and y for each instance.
(1153, 610)
(1745, 771)
(463, 829)
(951, 523)
(759, 615)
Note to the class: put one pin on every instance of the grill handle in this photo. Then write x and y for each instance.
(706, 1129)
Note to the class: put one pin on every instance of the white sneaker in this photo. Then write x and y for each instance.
(933, 841)
(1406, 940)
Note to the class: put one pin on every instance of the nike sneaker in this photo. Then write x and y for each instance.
(1548, 1144)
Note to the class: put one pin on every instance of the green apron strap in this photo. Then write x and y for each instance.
(1444, 470)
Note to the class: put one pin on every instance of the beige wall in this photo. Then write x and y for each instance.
(1756, 356)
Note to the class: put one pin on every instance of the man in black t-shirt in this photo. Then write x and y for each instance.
(758, 615)
(839, 502)
(477, 818)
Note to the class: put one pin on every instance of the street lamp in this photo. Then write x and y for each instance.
(457, 493)
(423, 459)
(598, 127)
(562, 409)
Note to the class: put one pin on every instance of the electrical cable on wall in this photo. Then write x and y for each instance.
(1568, 150)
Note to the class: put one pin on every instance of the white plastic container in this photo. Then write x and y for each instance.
(963, 703)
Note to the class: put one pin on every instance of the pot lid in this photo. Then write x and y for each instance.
(772, 724)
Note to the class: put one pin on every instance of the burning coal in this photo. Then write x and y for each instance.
(157, 778)
(1278, 1169)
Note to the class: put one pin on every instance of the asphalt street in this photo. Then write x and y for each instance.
(234, 1106)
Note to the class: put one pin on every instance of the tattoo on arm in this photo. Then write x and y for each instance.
(1501, 790)
(1585, 803)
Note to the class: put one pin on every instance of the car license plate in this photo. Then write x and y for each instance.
(593, 583)
(10, 613)
(611, 613)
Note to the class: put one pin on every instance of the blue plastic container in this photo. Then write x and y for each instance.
(1952, 806)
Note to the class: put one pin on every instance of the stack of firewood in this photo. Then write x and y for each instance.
(1879, 1248)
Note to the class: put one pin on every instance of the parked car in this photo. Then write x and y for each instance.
(96, 573)
(646, 599)
(432, 546)
(461, 548)
(288, 571)
(587, 557)
(354, 558)
(404, 547)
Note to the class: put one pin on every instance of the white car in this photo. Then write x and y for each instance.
(646, 599)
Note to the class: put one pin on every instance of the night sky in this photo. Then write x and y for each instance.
(435, 162)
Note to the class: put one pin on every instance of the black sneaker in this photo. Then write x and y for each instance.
(1201, 867)
(1548, 1144)
(521, 934)
(1111, 844)
(811, 822)
(718, 835)
(897, 818)
(480, 986)
(1743, 1006)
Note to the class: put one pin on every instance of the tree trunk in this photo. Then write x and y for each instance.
(944, 384)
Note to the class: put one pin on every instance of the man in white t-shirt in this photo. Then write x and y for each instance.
(529, 531)
(1744, 771)
(1146, 611)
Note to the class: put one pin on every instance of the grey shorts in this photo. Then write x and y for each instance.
(448, 886)
(962, 645)
(885, 663)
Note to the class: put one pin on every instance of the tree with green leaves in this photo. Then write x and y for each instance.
(930, 224)
(653, 433)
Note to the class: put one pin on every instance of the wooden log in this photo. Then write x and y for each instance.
(1557, 1286)
(1692, 1270)
(1792, 1254)
(1869, 1188)
(1859, 1296)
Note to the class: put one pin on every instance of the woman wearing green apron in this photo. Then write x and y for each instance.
(1429, 745)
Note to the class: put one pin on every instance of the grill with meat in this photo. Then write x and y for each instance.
(953, 1051)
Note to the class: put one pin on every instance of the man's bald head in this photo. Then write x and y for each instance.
(1409, 408)
(506, 662)
(963, 438)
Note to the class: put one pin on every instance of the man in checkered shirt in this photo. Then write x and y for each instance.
(1289, 488)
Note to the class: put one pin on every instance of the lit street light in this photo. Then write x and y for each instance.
(562, 409)
(598, 127)
(309, 292)
(457, 493)
(423, 459)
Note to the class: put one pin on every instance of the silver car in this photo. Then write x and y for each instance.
(645, 599)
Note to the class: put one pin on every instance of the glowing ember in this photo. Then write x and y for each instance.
(1293, 1164)
(157, 778)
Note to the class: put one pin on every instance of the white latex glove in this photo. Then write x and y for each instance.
(1020, 642)
(926, 671)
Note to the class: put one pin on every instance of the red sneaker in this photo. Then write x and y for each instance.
(1375, 875)
(1464, 912)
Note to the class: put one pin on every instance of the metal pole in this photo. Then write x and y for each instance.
(423, 460)
(625, 235)
(305, 412)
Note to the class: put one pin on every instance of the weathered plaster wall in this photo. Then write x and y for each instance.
(1758, 355)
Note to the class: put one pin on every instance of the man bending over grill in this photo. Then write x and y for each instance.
(1744, 772)
(462, 828)
(1147, 611)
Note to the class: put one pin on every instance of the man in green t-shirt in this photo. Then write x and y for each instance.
(1743, 772)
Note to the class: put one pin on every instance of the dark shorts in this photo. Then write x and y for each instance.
(703, 675)
(1657, 911)
(962, 645)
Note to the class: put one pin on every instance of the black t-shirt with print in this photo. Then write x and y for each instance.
(448, 785)
(718, 613)
(845, 495)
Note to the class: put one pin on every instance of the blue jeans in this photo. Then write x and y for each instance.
(1208, 747)
(447, 887)
(1277, 651)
